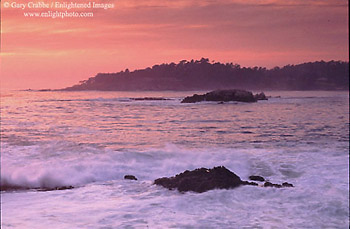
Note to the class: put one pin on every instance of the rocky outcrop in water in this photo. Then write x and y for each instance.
(260, 96)
(41, 189)
(203, 179)
(269, 184)
(130, 177)
(256, 178)
(285, 184)
(225, 96)
(150, 99)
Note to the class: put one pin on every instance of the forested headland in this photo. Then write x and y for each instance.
(206, 75)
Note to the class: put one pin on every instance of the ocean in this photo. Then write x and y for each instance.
(91, 139)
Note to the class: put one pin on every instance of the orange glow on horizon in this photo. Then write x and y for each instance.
(55, 53)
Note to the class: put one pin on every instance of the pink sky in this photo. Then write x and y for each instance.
(55, 53)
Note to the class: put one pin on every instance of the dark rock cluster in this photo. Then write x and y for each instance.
(256, 178)
(269, 184)
(203, 179)
(285, 184)
(130, 177)
(226, 96)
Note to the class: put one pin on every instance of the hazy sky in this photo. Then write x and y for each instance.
(55, 53)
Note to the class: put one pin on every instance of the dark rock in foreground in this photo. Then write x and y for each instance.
(130, 177)
(257, 178)
(225, 96)
(202, 180)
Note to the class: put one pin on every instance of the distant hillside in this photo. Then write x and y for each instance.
(204, 75)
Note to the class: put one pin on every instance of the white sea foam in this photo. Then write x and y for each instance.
(106, 165)
(104, 199)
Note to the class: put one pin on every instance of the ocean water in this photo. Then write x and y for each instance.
(90, 140)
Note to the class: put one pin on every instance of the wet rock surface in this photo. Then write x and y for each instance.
(256, 178)
(269, 184)
(286, 184)
(203, 179)
(130, 177)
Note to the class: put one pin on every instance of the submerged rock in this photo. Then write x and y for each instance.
(285, 184)
(55, 188)
(40, 189)
(269, 184)
(223, 96)
(260, 96)
(250, 183)
(130, 177)
(149, 98)
(257, 178)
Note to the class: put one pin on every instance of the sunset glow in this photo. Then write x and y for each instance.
(174, 114)
(55, 53)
